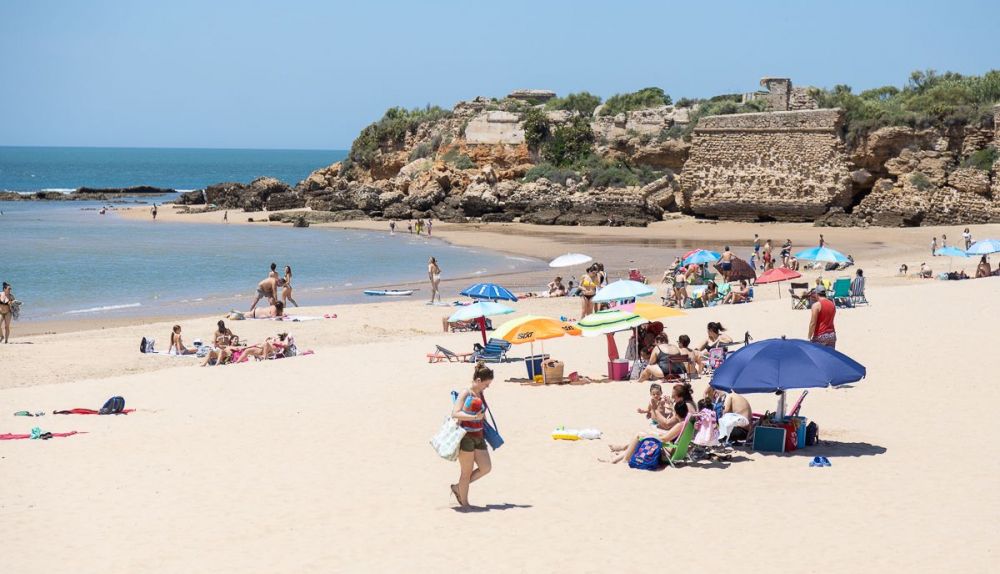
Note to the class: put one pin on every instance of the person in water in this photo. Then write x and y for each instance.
(286, 291)
(470, 412)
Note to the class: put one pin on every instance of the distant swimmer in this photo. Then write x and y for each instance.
(153, 211)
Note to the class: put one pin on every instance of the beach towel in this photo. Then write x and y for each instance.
(708, 430)
(9, 436)
(88, 412)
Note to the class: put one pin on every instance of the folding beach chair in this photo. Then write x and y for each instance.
(681, 360)
(858, 291)
(636, 275)
(800, 295)
(798, 404)
(495, 351)
(842, 292)
(681, 447)
(444, 355)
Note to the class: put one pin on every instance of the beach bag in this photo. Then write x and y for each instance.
(812, 434)
(447, 439)
(490, 433)
(147, 345)
(113, 406)
(647, 454)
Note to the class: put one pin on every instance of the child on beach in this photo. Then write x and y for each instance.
(655, 402)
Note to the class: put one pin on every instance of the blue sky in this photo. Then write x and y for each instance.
(310, 74)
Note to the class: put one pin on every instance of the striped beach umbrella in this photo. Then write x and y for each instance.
(610, 321)
(490, 291)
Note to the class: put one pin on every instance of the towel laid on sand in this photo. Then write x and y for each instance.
(88, 412)
(9, 436)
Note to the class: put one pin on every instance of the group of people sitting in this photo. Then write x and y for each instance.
(227, 347)
(983, 269)
(664, 359)
(669, 416)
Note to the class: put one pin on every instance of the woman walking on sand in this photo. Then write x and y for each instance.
(6, 312)
(434, 274)
(286, 292)
(470, 412)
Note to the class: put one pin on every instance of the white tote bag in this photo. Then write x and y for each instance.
(445, 442)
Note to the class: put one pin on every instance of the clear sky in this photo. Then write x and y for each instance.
(309, 74)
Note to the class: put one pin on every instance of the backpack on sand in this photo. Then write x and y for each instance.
(147, 345)
(647, 454)
(812, 434)
(113, 406)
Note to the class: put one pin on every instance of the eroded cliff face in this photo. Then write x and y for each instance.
(789, 165)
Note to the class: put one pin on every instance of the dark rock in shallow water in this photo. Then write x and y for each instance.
(318, 216)
(135, 190)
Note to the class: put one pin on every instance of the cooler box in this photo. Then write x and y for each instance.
(801, 433)
(534, 364)
(618, 370)
(769, 439)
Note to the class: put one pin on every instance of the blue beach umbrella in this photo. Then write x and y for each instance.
(621, 290)
(984, 247)
(490, 291)
(951, 252)
(702, 256)
(777, 365)
(824, 254)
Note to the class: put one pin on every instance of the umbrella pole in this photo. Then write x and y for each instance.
(781, 405)
(544, 381)
(482, 327)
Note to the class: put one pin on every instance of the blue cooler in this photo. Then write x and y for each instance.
(801, 433)
(534, 364)
(769, 439)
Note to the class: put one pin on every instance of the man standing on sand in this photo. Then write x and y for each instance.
(965, 235)
(933, 246)
(225, 216)
(430, 224)
(266, 288)
(153, 211)
(392, 227)
(409, 226)
(726, 263)
(756, 246)
(821, 329)
(822, 242)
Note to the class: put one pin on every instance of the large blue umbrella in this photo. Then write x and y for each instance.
(777, 365)
(984, 247)
(490, 291)
(951, 252)
(701, 257)
(824, 254)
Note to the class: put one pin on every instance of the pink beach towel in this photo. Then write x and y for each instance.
(9, 436)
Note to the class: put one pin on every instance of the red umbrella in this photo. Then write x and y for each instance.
(777, 275)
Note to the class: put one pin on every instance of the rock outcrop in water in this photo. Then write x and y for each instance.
(488, 159)
(87, 193)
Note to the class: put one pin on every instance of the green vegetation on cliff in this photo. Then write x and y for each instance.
(643, 99)
(583, 103)
(391, 130)
(928, 99)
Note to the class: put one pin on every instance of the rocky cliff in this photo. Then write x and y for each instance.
(521, 158)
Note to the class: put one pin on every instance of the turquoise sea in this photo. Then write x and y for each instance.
(67, 261)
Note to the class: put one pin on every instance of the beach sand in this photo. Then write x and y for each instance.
(322, 464)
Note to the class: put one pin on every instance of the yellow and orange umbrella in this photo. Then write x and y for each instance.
(652, 311)
(531, 328)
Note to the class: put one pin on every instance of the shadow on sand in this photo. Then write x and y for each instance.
(489, 507)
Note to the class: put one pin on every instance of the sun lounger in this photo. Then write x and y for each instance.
(681, 446)
(444, 355)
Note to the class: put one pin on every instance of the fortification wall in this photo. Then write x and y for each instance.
(788, 166)
(495, 127)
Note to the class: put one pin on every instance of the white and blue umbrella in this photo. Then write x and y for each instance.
(621, 290)
(570, 259)
(701, 257)
(984, 247)
(480, 310)
(489, 291)
(824, 254)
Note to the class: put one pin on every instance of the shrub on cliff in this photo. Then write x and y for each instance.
(929, 99)
(550, 172)
(717, 106)
(920, 181)
(391, 131)
(583, 103)
(458, 159)
(569, 143)
(643, 99)
(982, 159)
(422, 150)
(536, 128)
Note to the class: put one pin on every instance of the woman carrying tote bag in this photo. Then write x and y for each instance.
(470, 412)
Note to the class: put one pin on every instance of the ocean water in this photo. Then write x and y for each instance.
(65, 261)
(28, 169)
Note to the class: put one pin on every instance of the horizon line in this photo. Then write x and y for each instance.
(173, 147)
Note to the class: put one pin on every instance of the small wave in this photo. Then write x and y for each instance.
(520, 259)
(104, 308)
(58, 189)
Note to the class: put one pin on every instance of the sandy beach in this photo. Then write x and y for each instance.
(321, 463)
